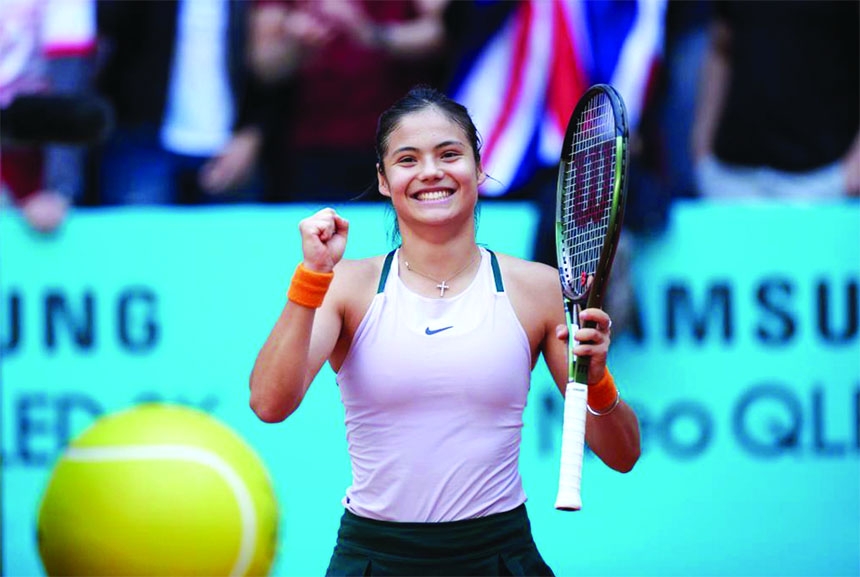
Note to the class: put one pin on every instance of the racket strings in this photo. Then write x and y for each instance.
(589, 185)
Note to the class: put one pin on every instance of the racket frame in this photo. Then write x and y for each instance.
(569, 498)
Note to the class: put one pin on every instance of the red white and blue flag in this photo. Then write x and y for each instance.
(522, 84)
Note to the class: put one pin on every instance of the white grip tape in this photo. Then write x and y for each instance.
(572, 448)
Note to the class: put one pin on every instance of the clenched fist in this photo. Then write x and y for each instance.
(323, 239)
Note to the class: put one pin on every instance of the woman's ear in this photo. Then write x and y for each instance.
(482, 176)
(383, 182)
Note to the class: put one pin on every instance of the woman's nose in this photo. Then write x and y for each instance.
(431, 170)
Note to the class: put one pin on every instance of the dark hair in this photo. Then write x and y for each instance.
(419, 98)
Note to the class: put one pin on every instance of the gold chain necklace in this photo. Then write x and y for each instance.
(442, 285)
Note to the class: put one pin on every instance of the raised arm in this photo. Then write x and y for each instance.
(282, 37)
(303, 337)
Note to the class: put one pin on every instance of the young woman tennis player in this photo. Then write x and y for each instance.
(433, 345)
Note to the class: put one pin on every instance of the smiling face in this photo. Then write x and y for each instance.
(429, 168)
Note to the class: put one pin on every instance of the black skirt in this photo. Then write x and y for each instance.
(500, 544)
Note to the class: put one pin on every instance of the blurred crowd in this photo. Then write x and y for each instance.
(199, 102)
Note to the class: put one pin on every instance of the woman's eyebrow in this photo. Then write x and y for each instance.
(438, 146)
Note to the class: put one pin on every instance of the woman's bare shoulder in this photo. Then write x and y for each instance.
(359, 273)
(355, 284)
(527, 274)
(535, 294)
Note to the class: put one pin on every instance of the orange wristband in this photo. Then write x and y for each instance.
(603, 396)
(308, 288)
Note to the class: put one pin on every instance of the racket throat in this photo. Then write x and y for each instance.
(577, 366)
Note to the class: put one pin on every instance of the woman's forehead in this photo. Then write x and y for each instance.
(427, 123)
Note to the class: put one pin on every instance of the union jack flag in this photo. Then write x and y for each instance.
(522, 84)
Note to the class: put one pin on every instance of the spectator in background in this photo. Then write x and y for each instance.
(778, 113)
(176, 74)
(341, 62)
(71, 67)
(661, 162)
(46, 47)
(686, 43)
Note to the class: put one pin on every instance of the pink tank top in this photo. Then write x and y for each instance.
(434, 392)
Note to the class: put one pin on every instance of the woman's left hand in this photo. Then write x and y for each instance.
(591, 342)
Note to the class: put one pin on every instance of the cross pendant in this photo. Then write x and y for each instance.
(442, 288)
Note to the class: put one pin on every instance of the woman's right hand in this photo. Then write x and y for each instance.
(323, 239)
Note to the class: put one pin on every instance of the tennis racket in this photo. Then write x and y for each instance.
(592, 182)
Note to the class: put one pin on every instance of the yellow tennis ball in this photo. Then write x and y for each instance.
(154, 490)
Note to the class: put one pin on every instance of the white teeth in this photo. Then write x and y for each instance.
(435, 195)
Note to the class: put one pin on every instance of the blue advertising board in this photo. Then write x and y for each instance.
(742, 360)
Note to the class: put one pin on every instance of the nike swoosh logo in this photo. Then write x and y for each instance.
(429, 331)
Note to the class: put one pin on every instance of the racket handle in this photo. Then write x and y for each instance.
(572, 447)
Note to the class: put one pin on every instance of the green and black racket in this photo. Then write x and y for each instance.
(592, 183)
